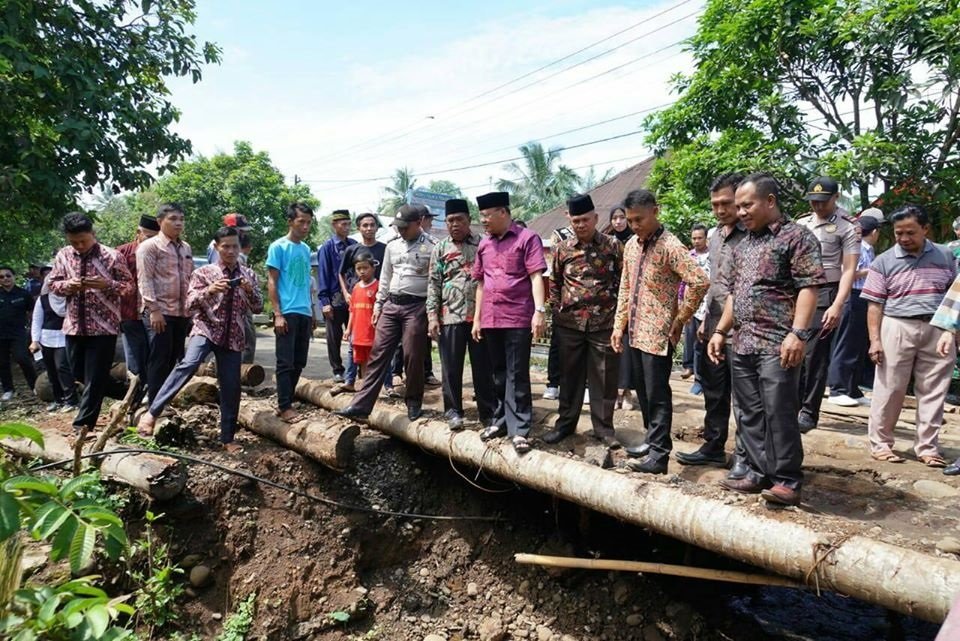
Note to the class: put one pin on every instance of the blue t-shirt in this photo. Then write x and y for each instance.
(292, 260)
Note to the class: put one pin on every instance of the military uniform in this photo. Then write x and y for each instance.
(839, 236)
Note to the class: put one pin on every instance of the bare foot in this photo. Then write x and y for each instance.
(232, 448)
(146, 424)
(289, 415)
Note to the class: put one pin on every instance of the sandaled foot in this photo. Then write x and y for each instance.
(887, 457)
(521, 444)
(146, 424)
(932, 460)
(232, 448)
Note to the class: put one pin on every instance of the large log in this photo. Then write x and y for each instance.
(161, 477)
(251, 374)
(898, 578)
(328, 442)
(199, 389)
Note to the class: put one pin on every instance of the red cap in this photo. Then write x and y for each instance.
(236, 220)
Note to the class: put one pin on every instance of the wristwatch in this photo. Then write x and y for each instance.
(803, 334)
(540, 308)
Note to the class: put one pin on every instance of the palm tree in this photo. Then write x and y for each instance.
(590, 180)
(541, 182)
(396, 194)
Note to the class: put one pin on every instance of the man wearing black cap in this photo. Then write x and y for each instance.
(399, 315)
(839, 239)
(510, 308)
(583, 296)
(451, 299)
(333, 303)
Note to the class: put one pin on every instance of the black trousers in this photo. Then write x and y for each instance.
(166, 349)
(715, 379)
(249, 339)
(15, 349)
(692, 348)
(509, 350)
(292, 349)
(336, 325)
(625, 376)
(455, 341)
(59, 374)
(767, 401)
(554, 368)
(91, 358)
(850, 349)
(587, 359)
(398, 324)
(651, 379)
(816, 360)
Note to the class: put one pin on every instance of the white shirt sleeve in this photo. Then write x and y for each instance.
(36, 324)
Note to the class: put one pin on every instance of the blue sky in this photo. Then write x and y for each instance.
(339, 93)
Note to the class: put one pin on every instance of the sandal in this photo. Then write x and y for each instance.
(521, 445)
(887, 457)
(932, 460)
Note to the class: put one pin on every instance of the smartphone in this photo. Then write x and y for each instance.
(235, 281)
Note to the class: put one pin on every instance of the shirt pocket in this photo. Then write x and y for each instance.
(515, 261)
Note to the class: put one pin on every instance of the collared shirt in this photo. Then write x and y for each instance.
(91, 312)
(329, 259)
(130, 302)
(908, 285)
(768, 269)
(867, 254)
(504, 266)
(164, 267)
(349, 272)
(451, 289)
(14, 307)
(721, 245)
(222, 317)
(647, 301)
(839, 236)
(586, 279)
(405, 267)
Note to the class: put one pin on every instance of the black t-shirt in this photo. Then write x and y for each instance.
(346, 265)
(14, 305)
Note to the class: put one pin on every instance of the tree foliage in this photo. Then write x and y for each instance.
(395, 194)
(866, 91)
(84, 100)
(540, 183)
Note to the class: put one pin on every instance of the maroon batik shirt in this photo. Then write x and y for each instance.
(220, 317)
(130, 302)
(91, 312)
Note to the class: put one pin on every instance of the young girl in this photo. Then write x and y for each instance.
(360, 326)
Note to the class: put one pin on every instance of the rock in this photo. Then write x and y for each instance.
(434, 637)
(544, 633)
(190, 592)
(492, 629)
(216, 616)
(424, 572)
(191, 560)
(568, 637)
(651, 633)
(201, 576)
(949, 545)
(634, 619)
(934, 489)
(621, 591)
(472, 589)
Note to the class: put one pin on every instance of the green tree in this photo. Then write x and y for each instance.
(117, 215)
(590, 180)
(863, 90)
(540, 183)
(245, 182)
(84, 100)
(395, 194)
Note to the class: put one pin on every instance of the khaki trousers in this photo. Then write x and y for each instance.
(909, 347)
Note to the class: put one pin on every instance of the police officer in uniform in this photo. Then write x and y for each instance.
(399, 315)
(839, 237)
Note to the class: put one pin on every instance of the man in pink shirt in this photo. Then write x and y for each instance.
(510, 299)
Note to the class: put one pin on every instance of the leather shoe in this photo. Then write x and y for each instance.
(700, 457)
(744, 486)
(609, 440)
(352, 412)
(454, 421)
(636, 451)
(414, 412)
(648, 465)
(953, 469)
(492, 431)
(555, 436)
(806, 423)
(739, 469)
(781, 495)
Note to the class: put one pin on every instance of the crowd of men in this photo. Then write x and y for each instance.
(770, 310)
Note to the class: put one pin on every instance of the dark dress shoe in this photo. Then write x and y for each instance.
(744, 486)
(492, 431)
(454, 422)
(806, 423)
(702, 458)
(352, 412)
(781, 495)
(636, 451)
(648, 465)
(953, 469)
(739, 470)
(555, 436)
(609, 440)
(414, 412)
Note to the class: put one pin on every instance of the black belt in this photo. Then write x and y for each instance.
(406, 299)
(926, 318)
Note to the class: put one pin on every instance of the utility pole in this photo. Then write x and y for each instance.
(296, 180)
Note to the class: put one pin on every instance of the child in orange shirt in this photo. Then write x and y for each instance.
(360, 326)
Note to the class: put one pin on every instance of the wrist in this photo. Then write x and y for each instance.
(801, 333)
(539, 309)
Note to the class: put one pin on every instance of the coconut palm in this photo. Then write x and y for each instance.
(396, 194)
(540, 182)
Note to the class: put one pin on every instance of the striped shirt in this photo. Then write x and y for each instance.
(909, 286)
(164, 267)
(948, 314)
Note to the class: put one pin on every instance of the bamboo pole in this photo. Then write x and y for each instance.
(898, 578)
(655, 568)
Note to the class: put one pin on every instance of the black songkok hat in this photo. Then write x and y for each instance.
(580, 204)
(340, 214)
(149, 222)
(493, 200)
(457, 206)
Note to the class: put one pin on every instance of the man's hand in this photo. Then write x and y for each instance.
(34, 347)
(616, 340)
(945, 342)
(74, 285)
(375, 316)
(538, 324)
(95, 282)
(279, 325)
(327, 311)
(715, 350)
(157, 322)
(475, 332)
(831, 318)
(876, 351)
(791, 351)
(701, 334)
(218, 287)
(676, 330)
(247, 286)
(433, 329)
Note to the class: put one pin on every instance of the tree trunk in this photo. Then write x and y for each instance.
(161, 477)
(251, 375)
(328, 442)
(898, 578)
(199, 389)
